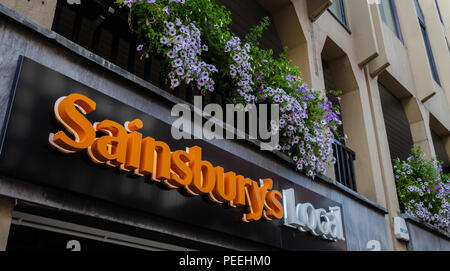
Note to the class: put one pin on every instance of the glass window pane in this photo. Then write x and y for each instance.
(439, 11)
(419, 12)
(388, 15)
(337, 9)
(430, 56)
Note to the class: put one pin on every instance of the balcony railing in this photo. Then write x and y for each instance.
(103, 29)
(344, 168)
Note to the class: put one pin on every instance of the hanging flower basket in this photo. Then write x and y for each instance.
(197, 48)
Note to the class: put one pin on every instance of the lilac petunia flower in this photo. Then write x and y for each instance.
(167, 10)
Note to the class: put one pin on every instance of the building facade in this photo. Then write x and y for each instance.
(390, 59)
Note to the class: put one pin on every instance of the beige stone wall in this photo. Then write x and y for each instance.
(6, 206)
(327, 38)
(359, 59)
(41, 11)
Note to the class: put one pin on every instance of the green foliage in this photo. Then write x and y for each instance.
(423, 188)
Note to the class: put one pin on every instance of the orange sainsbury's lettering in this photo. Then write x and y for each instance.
(134, 143)
(203, 180)
(155, 159)
(241, 186)
(225, 188)
(70, 111)
(256, 196)
(123, 146)
(273, 208)
(111, 148)
(182, 173)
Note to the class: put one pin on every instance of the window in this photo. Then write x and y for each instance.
(439, 11)
(389, 16)
(441, 153)
(427, 42)
(337, 8)
(442, 22)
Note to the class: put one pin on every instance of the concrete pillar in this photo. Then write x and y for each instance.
(287, 22)
(41, 11)
(419, 124)
(357, 122)
(6, 208)
(387, 172)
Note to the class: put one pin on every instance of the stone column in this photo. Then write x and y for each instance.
(6, 207)
(387, 172)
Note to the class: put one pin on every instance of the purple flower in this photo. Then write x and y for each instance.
(164, 40)
(140, 47)
(204, 75)
(175, 83)
(167, 10)
(201, 82)
(179, 39)
(177, 63)
(180, 71)
(170, 25)
(171, 54)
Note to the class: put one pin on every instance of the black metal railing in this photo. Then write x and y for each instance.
(344, 167)
(102, 28)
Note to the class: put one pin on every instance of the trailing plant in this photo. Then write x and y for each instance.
(198, 49)
(423, 189)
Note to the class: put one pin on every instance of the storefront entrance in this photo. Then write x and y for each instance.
(34, 229)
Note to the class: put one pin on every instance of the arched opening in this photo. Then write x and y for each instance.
(440, 136)
(290, 33)
(339, 75)
(243, 20)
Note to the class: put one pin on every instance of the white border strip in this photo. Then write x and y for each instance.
(52, 225)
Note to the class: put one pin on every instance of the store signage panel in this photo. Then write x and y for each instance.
(36, 148)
